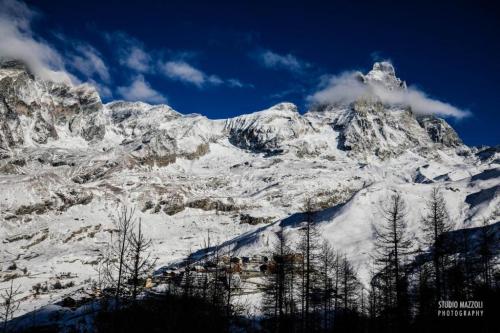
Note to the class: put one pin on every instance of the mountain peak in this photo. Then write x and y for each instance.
(383, 73)
(284, 106)
(385, 67)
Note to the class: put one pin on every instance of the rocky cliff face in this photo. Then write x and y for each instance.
(32, 110)
(268, 131)
(368, 126)
(35, 112)
(440, 131)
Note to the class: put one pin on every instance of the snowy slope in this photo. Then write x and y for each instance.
(67, 163)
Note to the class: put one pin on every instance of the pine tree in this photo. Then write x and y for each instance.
(348, 285)
(393, 244)
(434, 225)
(486, 244)
(229, 279)
(188, 276)
(327, 260)
(424, 297)
(217, 280)
(278, 295)
(309, 246)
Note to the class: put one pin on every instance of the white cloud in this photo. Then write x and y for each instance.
(215, 80)
(18, 42)
(140, 90)
(182, 71)
(348, 87)
(288, 62)
(131, 52)
(137, 59)
(343, 88)
(421, 103)
(237, 83)
(88, 61)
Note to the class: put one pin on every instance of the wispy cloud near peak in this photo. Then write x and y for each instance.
(349, 86)
(18, 42)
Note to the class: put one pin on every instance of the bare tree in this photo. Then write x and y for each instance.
(9, 304)
(115, 263)
(140, 262)
(99, 270)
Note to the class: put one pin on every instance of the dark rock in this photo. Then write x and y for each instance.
(38, 208)
(439, 131)
(210, 204)
(248, 219)
(173, 209)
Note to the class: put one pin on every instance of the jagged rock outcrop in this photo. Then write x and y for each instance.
(62, 200)
(226, 205)
(157, 135)
(383, 74)
(489, 154)
(93, 172)
(368, 127)
(439, 131)
(267, 131)
(32, 110)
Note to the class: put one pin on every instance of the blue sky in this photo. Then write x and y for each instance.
(223, 59)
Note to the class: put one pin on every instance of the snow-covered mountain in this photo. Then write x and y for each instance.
(67, 162)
